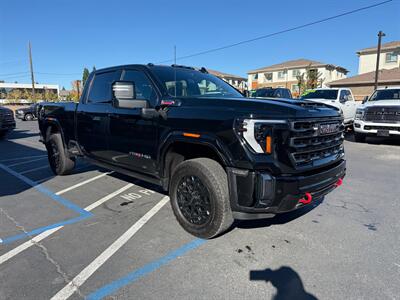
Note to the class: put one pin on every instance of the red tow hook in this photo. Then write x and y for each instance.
(339, 182)
(307, 199)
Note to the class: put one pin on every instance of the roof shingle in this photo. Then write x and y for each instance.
(385, 76)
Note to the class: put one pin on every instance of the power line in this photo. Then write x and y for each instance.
(281, 31)
(14, 73)
(58, 74)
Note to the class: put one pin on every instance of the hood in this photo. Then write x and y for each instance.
(270, 108)
(5, 109)
(382, 103)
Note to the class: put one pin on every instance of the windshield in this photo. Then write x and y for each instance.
(389, 94)
(182, 82)
(321, 94)
(265, 93)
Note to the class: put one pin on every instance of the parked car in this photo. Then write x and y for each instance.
(7, 121)
(27, 113)
(379, 115)
(342, 98)
(272, 93)
(219, 155)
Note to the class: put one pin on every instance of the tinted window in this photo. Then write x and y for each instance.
(100, 91)
(143, 87)
(343, 93)
(349, 96)
(389, 94)
(320, 94)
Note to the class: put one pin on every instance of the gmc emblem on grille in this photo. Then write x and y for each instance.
(327, 128)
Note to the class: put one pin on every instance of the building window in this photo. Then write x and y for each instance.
(295, 73)
(281, 74)
(295, 88)
(268, 76)
(255, 76)
(391, 57)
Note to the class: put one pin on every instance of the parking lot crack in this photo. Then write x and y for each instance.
(45, 252)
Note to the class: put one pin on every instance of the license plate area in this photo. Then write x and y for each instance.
(382, 133)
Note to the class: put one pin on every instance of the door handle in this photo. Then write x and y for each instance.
(116, 116)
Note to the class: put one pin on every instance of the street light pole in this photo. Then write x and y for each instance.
(32, 76)
(380, 35)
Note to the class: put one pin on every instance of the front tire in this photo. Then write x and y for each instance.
(60, 162)
(200, 197)
(359, 137)
(28, 117)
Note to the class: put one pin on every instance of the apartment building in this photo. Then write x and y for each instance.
(285, 74)
(237, 81)
(388, 59)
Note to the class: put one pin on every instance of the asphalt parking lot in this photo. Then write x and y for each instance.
(97, 234)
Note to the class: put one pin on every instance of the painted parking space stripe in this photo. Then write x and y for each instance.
(5, 257)
(82, 183)
(24, 162)
(143, 271)
(34, 169)
(22, 158)
(81, 278)
(83, 214)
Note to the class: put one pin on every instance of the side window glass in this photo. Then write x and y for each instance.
(143, 87)
(349, 96)
(100, 91)
(342, 95)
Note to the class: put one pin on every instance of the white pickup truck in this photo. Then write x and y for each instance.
(342, 98)
(379, 115)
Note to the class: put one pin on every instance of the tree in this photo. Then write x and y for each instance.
(76, 90)
(94, 69)
(311, 79)
(85, 76)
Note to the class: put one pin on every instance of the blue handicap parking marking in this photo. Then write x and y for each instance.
(83, 214)
(143, 271)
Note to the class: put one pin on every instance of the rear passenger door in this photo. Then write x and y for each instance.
(347, 105)
(92, 116)
(133, 140)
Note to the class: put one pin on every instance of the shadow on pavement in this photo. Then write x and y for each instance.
(287, 282)
(20, 134)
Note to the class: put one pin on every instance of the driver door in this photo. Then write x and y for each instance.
(133, 140)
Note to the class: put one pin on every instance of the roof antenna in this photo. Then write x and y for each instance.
(175, 68)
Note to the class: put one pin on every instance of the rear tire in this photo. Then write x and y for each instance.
(28, 117)
(359, 137)
(200, 197)
(60, 162)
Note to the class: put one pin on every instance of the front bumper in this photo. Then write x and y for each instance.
(7, 125)
(256, 195)
(372, 128)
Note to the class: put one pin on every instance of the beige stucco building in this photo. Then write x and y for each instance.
(389, 58)
(285, 74)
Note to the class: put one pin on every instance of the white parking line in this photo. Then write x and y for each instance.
(72, 287)
(82, 183)
(34, 169)
(25, 162)
(21, 158)
(10, 254)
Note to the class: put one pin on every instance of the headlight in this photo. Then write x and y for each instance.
(259, 134)
(359, 114)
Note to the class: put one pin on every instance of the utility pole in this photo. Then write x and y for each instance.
(378, 54)
(32, 76)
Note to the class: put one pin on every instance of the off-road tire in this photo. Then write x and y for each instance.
(60, 162)
(359, 137)
(213, 177)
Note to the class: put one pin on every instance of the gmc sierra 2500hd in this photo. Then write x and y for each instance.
(220, 155)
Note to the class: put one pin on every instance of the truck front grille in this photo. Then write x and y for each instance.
(382, 114)
(312, 142)
(6, 117)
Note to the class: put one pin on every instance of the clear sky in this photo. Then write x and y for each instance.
(69, 35)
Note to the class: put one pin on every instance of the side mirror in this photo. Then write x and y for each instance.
(124, 95)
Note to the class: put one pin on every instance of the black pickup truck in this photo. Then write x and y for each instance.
(7, 121)
(220, 155)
